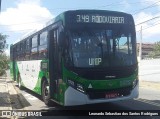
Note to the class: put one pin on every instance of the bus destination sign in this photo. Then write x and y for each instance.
(99, 19)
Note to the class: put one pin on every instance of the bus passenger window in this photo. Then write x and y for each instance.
(43, 46)
(17, 52)
(42, 52)
(34, 51)
(27, 49)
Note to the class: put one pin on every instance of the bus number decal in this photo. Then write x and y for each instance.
(84, 18)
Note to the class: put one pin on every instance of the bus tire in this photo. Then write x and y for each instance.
(45, 93)
(19, 82)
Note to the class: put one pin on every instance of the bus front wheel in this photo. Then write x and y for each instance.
(45, 93)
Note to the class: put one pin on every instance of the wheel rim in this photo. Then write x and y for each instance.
(46, 91)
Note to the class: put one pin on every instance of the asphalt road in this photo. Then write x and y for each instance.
(148, 100)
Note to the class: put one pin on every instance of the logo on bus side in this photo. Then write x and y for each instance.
(95, 61)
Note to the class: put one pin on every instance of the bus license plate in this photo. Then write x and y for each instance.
(111, 95)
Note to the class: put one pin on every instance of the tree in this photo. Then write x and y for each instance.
(3, 44)
(3, 58)
(156, 50)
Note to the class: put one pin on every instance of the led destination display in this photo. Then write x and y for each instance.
(99, 19)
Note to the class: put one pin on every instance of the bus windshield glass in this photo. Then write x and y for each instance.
(102, 48)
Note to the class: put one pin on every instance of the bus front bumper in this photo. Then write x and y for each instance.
(74, 97)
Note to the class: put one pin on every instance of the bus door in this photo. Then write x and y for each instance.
(53, 63)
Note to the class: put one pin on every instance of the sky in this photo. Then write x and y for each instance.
(18, 17)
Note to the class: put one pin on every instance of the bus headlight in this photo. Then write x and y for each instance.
(75, 85)
(80, 88)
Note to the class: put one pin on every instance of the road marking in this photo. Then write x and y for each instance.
(30, 97)
(148, 102)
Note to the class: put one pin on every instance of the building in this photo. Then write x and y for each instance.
(147, 48)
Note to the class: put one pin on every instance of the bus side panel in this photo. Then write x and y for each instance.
(43, 75)
(31, 74)
(16, 71)
(28, 71)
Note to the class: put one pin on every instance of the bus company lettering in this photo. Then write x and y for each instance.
(95, 61)
(100, 19)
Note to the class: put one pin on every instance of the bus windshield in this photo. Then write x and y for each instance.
(102, 48)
